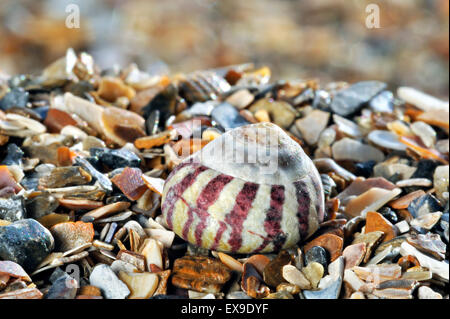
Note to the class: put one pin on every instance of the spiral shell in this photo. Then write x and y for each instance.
(252, 189)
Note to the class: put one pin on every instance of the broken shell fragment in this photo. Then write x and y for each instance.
(376, 222)
(372, 240)
(378, 273)
(111, 286)
(428, 293)
(71, 235)
(14, 270)
(426, 133)
(348, 149)
(427, 221)
(314, 273)
(230, 262)
(65, 176)
(386, 139)
(312, 125)
(354, 255)
(372, 200)
(252, 283)
(130, 183)
(273, 272)
(141, 286)
(105, 211)
(259, 262)
(420, 99)
(294, 276)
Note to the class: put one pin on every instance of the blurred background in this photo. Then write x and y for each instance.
(324, 39)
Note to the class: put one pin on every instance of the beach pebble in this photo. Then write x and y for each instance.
(111, 286)
(353, 98)
(25, 242)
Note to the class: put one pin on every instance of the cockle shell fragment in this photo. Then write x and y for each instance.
(216, 200)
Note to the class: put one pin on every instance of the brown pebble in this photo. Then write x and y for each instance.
(79, 204)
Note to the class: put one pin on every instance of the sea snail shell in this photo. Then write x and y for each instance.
(217, 200)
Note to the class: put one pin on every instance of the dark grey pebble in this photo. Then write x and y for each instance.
(353, 98)
(25, 242)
